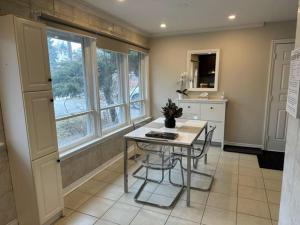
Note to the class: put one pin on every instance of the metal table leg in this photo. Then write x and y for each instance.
(188, 181)
(125, 166)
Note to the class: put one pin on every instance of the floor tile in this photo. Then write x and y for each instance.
(161, 200)
(121, 213)
(150, 187)
(213, 216)
(228, 169)
(243, 219)
(77, 219)
(178, 221)
(91, 187)
(67, 212)
(249, 163)
(273, 185)
(273, 196)
(224, 188)
(75, 199)
(111, 191)
(128, 198)
(167, 190)
(272, 174)
(199, 197)
(193, 213)
(255, 182)
(248, 157)
(104, 222)
(146, 217)
(253, 172)
(222, 201)
(274, 210)
(252, 207)
(96, 206)
(275, 222)
(252, 193)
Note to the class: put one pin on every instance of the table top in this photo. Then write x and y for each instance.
(188, 131)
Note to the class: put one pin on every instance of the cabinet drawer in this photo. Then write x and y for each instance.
(214, 112)
(190, 108)
(218, 133)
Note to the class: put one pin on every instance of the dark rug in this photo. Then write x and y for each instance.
(266, 159)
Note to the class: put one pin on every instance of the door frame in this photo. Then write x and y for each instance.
(269, 86)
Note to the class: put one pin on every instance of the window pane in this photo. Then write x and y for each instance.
(72, 130)
(134, 75)
(110, 72)
(112, 117)
(137, 110)
(67, 72)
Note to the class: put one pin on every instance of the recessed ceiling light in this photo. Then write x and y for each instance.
(163, 25)
(121, 0)
(232, 17)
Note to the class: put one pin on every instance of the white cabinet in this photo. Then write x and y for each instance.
(33, 55)
(41, 123)
(29, 122)
(47, 179)
(212, 111)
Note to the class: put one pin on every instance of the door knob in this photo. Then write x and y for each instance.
(50, 80)
(58, 160)
(51, 100)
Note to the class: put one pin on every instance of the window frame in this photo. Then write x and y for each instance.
(143, 78)
(86, 47)
(94, 109)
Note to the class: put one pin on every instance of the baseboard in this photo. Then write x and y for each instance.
(244, 145)
(13, 222)
(91, 174)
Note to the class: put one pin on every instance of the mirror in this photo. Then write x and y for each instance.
(203, 69)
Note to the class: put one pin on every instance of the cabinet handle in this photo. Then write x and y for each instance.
(211, 107)
(50, 80)
(189, 107)
(58, 160)
(51, 100)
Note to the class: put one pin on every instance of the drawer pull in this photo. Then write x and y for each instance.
(211, 107)
(189, 107)
(58, 160)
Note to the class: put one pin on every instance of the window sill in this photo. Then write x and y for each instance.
(76, 150)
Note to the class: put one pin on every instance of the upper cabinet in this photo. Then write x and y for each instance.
(203, 69)
(33, 55)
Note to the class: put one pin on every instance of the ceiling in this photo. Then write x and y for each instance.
(191, 16)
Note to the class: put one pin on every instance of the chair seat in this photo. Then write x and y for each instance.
(156, 161)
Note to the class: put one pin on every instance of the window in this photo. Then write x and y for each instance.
(74, 122)
(136, 77)
(96, 91)
(111, 71)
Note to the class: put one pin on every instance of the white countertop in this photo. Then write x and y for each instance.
(210, 100)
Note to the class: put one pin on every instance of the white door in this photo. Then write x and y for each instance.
(40, 123)
(277, 121)
(48, 184)
(33, 55)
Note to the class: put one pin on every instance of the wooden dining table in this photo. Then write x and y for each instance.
(188, 133)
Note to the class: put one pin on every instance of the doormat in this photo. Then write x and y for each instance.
(271, 160)
(266, 159)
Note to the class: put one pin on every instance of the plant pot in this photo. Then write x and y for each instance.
(170, 122)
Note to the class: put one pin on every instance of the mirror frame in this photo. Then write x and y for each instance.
(190, 76)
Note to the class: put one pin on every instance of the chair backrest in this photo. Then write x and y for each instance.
(207, 141)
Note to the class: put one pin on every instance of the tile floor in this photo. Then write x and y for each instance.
(242, 194)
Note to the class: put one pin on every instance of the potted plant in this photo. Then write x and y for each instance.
(171, 111)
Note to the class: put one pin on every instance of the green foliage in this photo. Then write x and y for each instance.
(171, 110)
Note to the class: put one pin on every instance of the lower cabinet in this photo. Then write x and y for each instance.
(48, 184)
(212, 111)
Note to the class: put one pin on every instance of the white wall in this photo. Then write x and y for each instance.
(290, 196)
(244, 63)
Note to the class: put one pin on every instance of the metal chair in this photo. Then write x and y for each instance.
(197, 154)
(163, 160)
(143, 146)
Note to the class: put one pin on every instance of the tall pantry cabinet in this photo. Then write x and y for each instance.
(29, 121)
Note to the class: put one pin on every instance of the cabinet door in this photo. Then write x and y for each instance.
(213, 112)
(48, 184)
(40, 123)
(33, 55)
